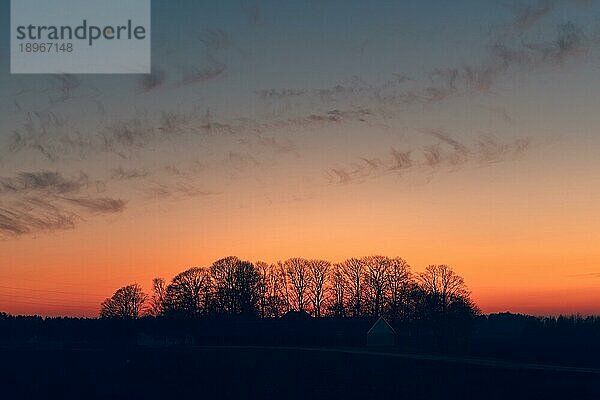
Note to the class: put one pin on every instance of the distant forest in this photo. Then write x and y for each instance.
(302, 302)
(358, 287)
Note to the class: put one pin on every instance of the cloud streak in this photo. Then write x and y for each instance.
(154, 80)
(43, 181)
(447, 152)
(18, 219)
(43, 201)
(123, 174)
(98, 205)
(443, 83)
(527, 15)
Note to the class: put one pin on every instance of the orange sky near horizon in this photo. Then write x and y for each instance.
(521, 245)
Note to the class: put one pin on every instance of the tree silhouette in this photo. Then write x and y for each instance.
(286, 295)
(297, 270)
(318, 273)
(338, 292)
(157, 301)
(354, 273)
(264, 272)
(272, 299)
(400, 284)
(237, 286)
(357, 287)
(188, 294)
(377, 281)
(443, 285)
(127, 302)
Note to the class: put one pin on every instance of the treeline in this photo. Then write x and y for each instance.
(552, 339)
(358, 287)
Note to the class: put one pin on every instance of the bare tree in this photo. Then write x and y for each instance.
(297, 270)
(377, 268)
(157, 301)
(188, 293)
(223, 275)
(443, 284)
(318, 271)
(354, 272)
(338, 292)
(272, 302)
(127, 302)
(286, 296)
(263, 270)
(237, 286)
(247, 287)
(399, 281)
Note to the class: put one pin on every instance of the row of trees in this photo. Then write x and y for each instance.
(357, 287)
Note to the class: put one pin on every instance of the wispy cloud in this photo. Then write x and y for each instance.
(214, 41)
(443, 136)
(33, 202)
(99, 204)
(203, 74)
(443, 83)
(154, 80)
(586, 275)
(279, 145)
(121, 173)
(240, 162)
(279, 94)
(44, 181)
(176, 190)
(20, 219)
(571, 41)
(527, 15)
(54, 91)
(446, 152)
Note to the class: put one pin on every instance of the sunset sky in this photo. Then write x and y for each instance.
(463, 133)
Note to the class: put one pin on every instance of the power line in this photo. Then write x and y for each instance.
(46, 301)
(74, 307)
(47, 291)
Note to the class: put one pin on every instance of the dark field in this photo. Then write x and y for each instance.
(203, 372)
